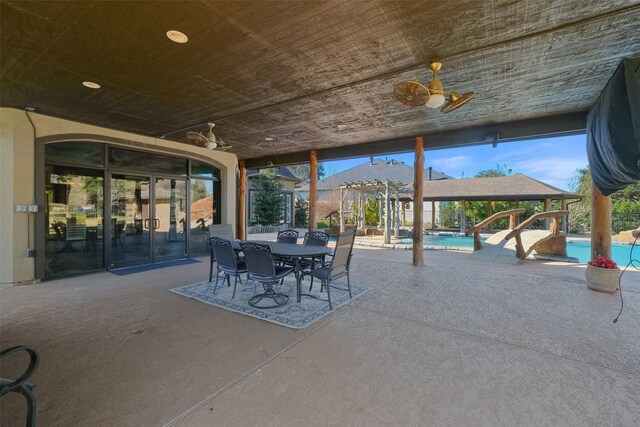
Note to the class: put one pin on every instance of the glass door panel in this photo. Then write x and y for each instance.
(130, 221)
(169, 220)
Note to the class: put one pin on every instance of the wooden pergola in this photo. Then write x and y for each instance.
(389, 211)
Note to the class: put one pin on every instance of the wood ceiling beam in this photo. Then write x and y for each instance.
(539, 127)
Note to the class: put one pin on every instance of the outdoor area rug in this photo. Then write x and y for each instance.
(292, 314)
(147, 267)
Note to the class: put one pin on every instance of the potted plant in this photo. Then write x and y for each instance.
(602, 275)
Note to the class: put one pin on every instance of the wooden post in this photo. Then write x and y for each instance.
(515, 219)
(489, 211)
(547, 208)
(313, 189)
(241, 219)
(418, 204)
(361, 200)
(565, 218)
(381, 210)
(387, 213)
(463, 216)
(600, 223)
(404, 214)
(433, 214)
(397, 214)
(342, 223)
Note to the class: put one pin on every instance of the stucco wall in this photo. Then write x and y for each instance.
(17, 177)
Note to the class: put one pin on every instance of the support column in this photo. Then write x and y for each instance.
(418, 203)
(600, 223)
(387, 214)
(565, 218)
(342, 223)
(489, 212)
(313, 189)
(433, 214)
(515, 220)
(404, 214)
(547, 208)
(361, 222)
(381, 210)
(397, 215)
(463, 216)
(241, 219)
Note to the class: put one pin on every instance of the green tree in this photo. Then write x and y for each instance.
(198, 189)
(269, 199)
(371, 211)
(478, 210)
(302, 212)
(449, 215)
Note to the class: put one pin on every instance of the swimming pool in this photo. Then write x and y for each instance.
(576, 249)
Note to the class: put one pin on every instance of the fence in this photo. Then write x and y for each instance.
(624, 221)
(257, 229)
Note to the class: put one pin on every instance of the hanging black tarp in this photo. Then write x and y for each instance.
(613, 130)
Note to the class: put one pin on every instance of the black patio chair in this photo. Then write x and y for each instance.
(313, 238)
(21, 385)
(338, 266)
(223, 231)
(227, 263)
(288, 236)
(262, 269)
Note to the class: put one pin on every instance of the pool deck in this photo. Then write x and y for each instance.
(455, 342)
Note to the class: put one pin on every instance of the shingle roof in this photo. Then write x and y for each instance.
(516, 186)
(282, 172)
(377, 169)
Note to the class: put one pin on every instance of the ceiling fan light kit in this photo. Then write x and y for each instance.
(415, 94)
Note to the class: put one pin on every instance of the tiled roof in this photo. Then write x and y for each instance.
(282, 172)
(516, 186)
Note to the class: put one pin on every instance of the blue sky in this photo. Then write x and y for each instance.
(551, 160)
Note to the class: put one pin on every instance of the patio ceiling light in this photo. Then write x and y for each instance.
(91, 85)
(177, 36)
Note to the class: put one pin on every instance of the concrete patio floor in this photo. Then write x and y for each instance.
(453, 343)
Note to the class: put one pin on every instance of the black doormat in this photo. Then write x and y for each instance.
(140, 268)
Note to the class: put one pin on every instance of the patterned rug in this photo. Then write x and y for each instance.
(292, 314)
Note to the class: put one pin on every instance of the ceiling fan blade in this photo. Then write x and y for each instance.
(456, 101)
(411, 93)
(198, 138)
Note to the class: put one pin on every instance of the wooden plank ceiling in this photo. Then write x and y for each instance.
(295, 70)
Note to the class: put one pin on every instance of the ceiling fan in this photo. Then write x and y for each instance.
(414, 94)
(209, 140)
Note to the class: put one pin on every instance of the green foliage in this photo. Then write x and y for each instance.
(371, 211)
(500, 170)
(449, 215)
(322, 224)
(269, 200)
(198, 190)
(302, 212)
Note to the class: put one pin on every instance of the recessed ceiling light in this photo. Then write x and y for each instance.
(341, 128)
(91, 85)
(268, 138)
(177, 36)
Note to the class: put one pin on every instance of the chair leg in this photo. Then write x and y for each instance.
(211, 269)
(311, 286)
(329, 293)
(228, 279)
(217, 278)
(235, 282)
(31, 404)
(349, 285)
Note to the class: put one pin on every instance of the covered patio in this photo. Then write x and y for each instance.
(120, 100)
(454, 343)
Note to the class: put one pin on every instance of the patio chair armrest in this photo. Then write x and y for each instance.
(33, 364)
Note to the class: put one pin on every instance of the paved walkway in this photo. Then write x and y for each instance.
(453, 343)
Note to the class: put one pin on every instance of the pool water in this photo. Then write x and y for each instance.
(575, 249)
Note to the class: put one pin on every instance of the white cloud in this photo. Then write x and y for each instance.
(552, 171)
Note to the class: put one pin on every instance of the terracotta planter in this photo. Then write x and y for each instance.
(602, 279)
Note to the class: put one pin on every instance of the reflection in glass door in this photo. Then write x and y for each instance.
(130, 221)
(169, 220)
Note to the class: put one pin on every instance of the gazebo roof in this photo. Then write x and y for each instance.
(512, 187)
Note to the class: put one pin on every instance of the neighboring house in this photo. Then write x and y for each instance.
(374, 170)
(289, 182)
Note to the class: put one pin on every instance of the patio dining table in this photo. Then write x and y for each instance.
(292, 251)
